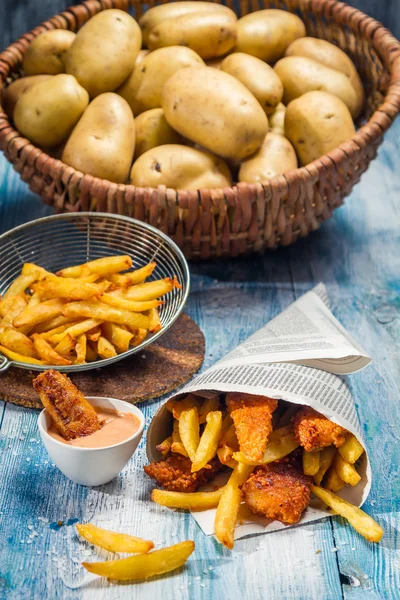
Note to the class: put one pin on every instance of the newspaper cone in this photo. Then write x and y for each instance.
(300, 356)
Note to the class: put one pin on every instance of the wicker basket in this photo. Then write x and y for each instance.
(246, 217)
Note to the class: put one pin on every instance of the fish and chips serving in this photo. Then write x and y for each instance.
(81, 314)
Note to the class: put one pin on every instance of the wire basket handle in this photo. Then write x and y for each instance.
(4, 363)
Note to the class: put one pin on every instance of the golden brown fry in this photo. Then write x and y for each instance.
(14, 307)
(177, 406)
(225, 454)
(94, 334)
(75, 329)
(311, 462)
(91, 354)
(135, 277)
(154, 320)
(327, 456)
(105, 349)
(47, 354)
(187, 500)
(165, 447)
(151, 290)
(143, 566)
(208, 405)
(119, 301)
(17, 342)
(139, 337)
(53, 324)
(35, 299)
(351, 450)
(281, 443)
(67, 346)
(227, 423)
(177, 445)
(207, 447)
(228, 506)
(332, 480)
(34, 315)
(70, 289)
(19, 357)
(361, 522)
(189, 431)
(346, 471)
(72, 414)
(32, 269)
(80, 349)
(103, 266)
(112, 541)
(20, 284)
(103, 312)
(118, 336)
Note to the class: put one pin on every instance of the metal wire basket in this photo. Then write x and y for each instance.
(75, 238)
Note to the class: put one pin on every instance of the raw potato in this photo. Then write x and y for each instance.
(152, 130)
(300, 74)
(172, 10)
(47, 112)
(105, 51)
(277, 119)
(276, 156)
(330, 56)
(180, 167)
(316, 123)
(210, 34)
(103, 142)
(257, 76)
(14, 91)
(142, 90)
(215, 110)
(267, 33)
(46, 53)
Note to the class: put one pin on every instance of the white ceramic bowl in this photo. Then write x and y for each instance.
(92, 466)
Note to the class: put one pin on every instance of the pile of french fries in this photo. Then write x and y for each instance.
(331, 468)
(81, 314)
(143, 565)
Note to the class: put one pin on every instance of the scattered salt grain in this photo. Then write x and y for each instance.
(333, 549)
(211, 568)
(30, 527)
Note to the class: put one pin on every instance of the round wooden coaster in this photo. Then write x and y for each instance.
(157, 370)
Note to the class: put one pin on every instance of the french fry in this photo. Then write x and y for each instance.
(351, 450)
(139, 337)
(225, 454)
(143, 566)
(118, 336)
(135, 277)
(67, 346)
(154, 320)
(311, 462)
(34, 315)
(165, 447)
(20, 284)
(103, 312)
(94, 334)
(32, 269)
(363, 523)
(19, 357)
(326, 458)
(75, 329)
(226, 424)
(178, 406)
(53, 324)
(228, 506)
(17, 342)
(346, 471)
(47, 354)
(332, 480)
(103, 266)
(91, 354)
(207, 406)
(189, 431)
(207, 447)
(7, 305)
(70, 289)
(151, 290)
(187, 501)
(17, 305)
(105, 349)
(81, 348)
(228, 444)
(177, 445)
(281, 442)
(35, 299)
(112, 299)
(112, 541)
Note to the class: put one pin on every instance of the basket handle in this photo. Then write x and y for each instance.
(4, 363)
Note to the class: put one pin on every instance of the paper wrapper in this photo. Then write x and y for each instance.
(300, 357)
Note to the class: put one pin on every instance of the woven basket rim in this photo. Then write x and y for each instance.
(383, 41)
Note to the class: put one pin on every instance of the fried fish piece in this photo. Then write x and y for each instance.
(252, 416)
(313, 431)
(72, 414)
(175, 474)
(278, 491)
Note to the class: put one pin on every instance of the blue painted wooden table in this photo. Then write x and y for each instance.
(357, 256)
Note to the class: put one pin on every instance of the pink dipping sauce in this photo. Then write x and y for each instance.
(116, 427)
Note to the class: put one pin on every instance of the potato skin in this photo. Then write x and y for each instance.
(14, 91)
(267, 33)
(104, 51)
(46, 52)
(277, 119)
(180, 167)
(300, 74)
(210, 34)
(47, 112)
(316, 123)
(276, 156)
(152, 130)
(331, 56)
(158, 14)
(257, 76)
(103, 142)
(214, 110)
(142, 90)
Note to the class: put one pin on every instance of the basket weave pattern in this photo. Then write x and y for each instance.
(246, 217)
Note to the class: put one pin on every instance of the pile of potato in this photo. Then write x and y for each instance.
(191, 97)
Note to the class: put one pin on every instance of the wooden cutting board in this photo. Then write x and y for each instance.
(158, 369)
